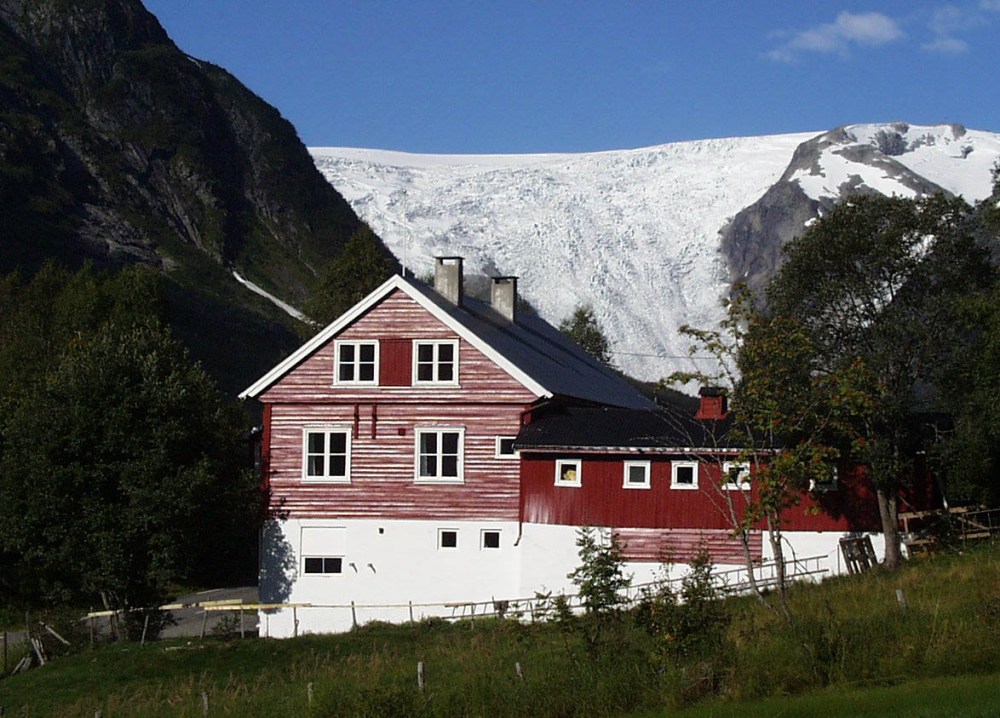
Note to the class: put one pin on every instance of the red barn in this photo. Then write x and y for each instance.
(427, 448)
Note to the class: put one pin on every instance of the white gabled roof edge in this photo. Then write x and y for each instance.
(346, 319)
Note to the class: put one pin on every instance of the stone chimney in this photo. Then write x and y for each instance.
(713, 403)
(448, 278)
(503, 297)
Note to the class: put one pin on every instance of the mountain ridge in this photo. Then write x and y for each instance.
(652, 238)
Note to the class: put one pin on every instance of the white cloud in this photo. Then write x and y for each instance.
(947, 46)
(871, 29)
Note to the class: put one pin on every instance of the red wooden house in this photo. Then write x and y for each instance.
(428, 448)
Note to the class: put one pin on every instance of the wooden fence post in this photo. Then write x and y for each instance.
(519, 671)
(354, 616)
(243, 630)
(295, 622)
(901, 597)
(411, 611)
(4, 662)
(420, 675)
(145, 627)
(204, 625)
(204, 703)
(309, 693)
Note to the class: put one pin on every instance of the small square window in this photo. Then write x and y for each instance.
(636, 475)
(823, 486)
(447, 538)
(505, 447)
(491, 539)
(568, 472)
(323, 564)
(684, 475)
(735, 476)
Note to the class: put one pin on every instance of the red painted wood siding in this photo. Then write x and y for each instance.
(682, 545)
(603, 501)
(487, 403)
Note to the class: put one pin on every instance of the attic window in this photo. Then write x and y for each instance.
(435, 362)
(356, 362)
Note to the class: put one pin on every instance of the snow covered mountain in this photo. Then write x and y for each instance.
(650, 238)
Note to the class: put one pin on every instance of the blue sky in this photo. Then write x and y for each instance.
(559, 76)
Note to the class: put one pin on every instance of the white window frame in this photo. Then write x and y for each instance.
(435, 343)
(626, 471)
(578, 464)
(326, 478)
(440, 540)
(482, 540)
(744, 475)
(356, 364)
(324, 572)
(500, 455)
(419, 432)
(674, 466)
(823, 487)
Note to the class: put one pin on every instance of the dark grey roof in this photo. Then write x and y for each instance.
(540, 351)
(564, 426)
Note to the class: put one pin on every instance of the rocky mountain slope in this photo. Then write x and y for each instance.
(116, 147)
(652, 238)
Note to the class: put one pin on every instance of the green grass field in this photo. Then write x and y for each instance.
(851, 650)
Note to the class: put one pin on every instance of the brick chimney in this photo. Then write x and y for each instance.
(448, 278)
(713, 403)
(503, 297)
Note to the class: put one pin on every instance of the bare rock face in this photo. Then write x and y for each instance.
(753, 240)
(117, 148)
(125, 149)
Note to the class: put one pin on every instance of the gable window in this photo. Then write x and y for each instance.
(447, 538)
(356, 362)
(568, 472)
(490, 539)
(636, 475)
(435, 362)
(505, 447)
(323, 564)
(326, 455)
(684, 475)
(439, 456)
(735, 476)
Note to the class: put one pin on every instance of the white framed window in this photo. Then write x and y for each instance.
(823, 486)
(326, 455)
(323, 565)
(447, 539)
(568, 472)
(505, 448)
(636, 475)
(684, 475)
(735, 476)
(439, 456)
(355, 362)
(489, 540)
(435, 362)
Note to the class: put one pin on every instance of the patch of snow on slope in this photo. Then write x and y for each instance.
(952, 157)
(633, 233)
(287, 308)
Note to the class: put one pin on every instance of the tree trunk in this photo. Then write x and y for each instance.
(888, 509)
(774, 536)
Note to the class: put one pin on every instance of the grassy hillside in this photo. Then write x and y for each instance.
(851, 650)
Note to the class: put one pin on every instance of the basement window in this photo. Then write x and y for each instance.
(323, 565)
(684, 475)
(447, 538)
(490, 539)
